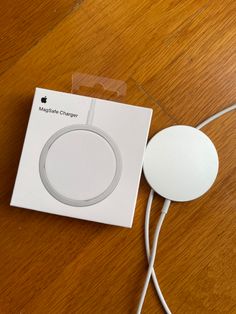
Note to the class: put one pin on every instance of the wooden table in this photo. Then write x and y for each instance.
(178, 57)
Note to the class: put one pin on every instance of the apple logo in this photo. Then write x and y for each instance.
(44, 100)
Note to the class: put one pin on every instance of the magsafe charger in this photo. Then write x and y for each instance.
(80, 165)
(85, 164)
(180, 163)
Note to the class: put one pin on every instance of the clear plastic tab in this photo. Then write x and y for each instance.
(98, 86)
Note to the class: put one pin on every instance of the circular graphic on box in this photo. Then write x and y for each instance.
(80, 165)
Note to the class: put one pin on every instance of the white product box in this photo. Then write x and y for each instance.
(82, 157)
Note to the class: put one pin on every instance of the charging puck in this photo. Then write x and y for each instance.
(180, 163)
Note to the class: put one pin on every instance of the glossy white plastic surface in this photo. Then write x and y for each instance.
(180, 163)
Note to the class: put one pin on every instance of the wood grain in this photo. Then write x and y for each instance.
(177, 57)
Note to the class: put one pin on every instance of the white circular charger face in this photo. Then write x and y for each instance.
(80, 166)
(180, 163)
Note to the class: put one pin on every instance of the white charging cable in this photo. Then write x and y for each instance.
(216, 116)
(91, 112)
(153, 254)
(151, 257)
(147, 246)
